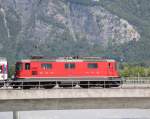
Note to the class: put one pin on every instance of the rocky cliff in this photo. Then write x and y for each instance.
(60, 27)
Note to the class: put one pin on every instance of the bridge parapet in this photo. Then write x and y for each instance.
(73, 93)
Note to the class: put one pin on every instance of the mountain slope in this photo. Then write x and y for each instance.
(116, 29)
(136, 12)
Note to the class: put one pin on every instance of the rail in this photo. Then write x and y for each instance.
(127, 82)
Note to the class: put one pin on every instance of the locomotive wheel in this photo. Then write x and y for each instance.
(67, 85)
(94, 83)
(106, 85)
(15, 87)
(85, 84)
(48, 85)
(26, 86)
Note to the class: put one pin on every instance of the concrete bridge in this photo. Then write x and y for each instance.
(14, 100)
(61, 99)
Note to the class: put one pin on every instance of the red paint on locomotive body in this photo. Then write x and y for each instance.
(66, 68)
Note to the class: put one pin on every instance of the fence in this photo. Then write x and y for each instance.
(127, 82)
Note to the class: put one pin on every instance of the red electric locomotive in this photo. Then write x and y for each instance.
(87, 72)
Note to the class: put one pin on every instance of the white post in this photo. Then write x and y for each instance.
(15, 115)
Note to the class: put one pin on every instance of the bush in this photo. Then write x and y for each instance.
(134, 71)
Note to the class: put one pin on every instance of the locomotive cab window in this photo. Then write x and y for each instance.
(46, 66)
(18, 66)
(27, 66)
(69, 65)
(92, 65)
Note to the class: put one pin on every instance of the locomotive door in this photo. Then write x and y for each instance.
(110, 69)
(27, 70)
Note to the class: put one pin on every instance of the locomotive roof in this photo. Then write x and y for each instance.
(89, 59)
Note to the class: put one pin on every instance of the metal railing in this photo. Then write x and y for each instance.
(127, 82)
(136, 82)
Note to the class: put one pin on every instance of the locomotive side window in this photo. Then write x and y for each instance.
(46, 66)
(92, 65)
(18, 66)
(109, 65)
(27, 66)
(69, 65)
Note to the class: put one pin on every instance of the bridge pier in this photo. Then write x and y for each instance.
(15, 115)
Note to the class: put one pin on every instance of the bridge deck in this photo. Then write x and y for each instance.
(20, 100)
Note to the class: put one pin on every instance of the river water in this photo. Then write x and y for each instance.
(82, 114)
